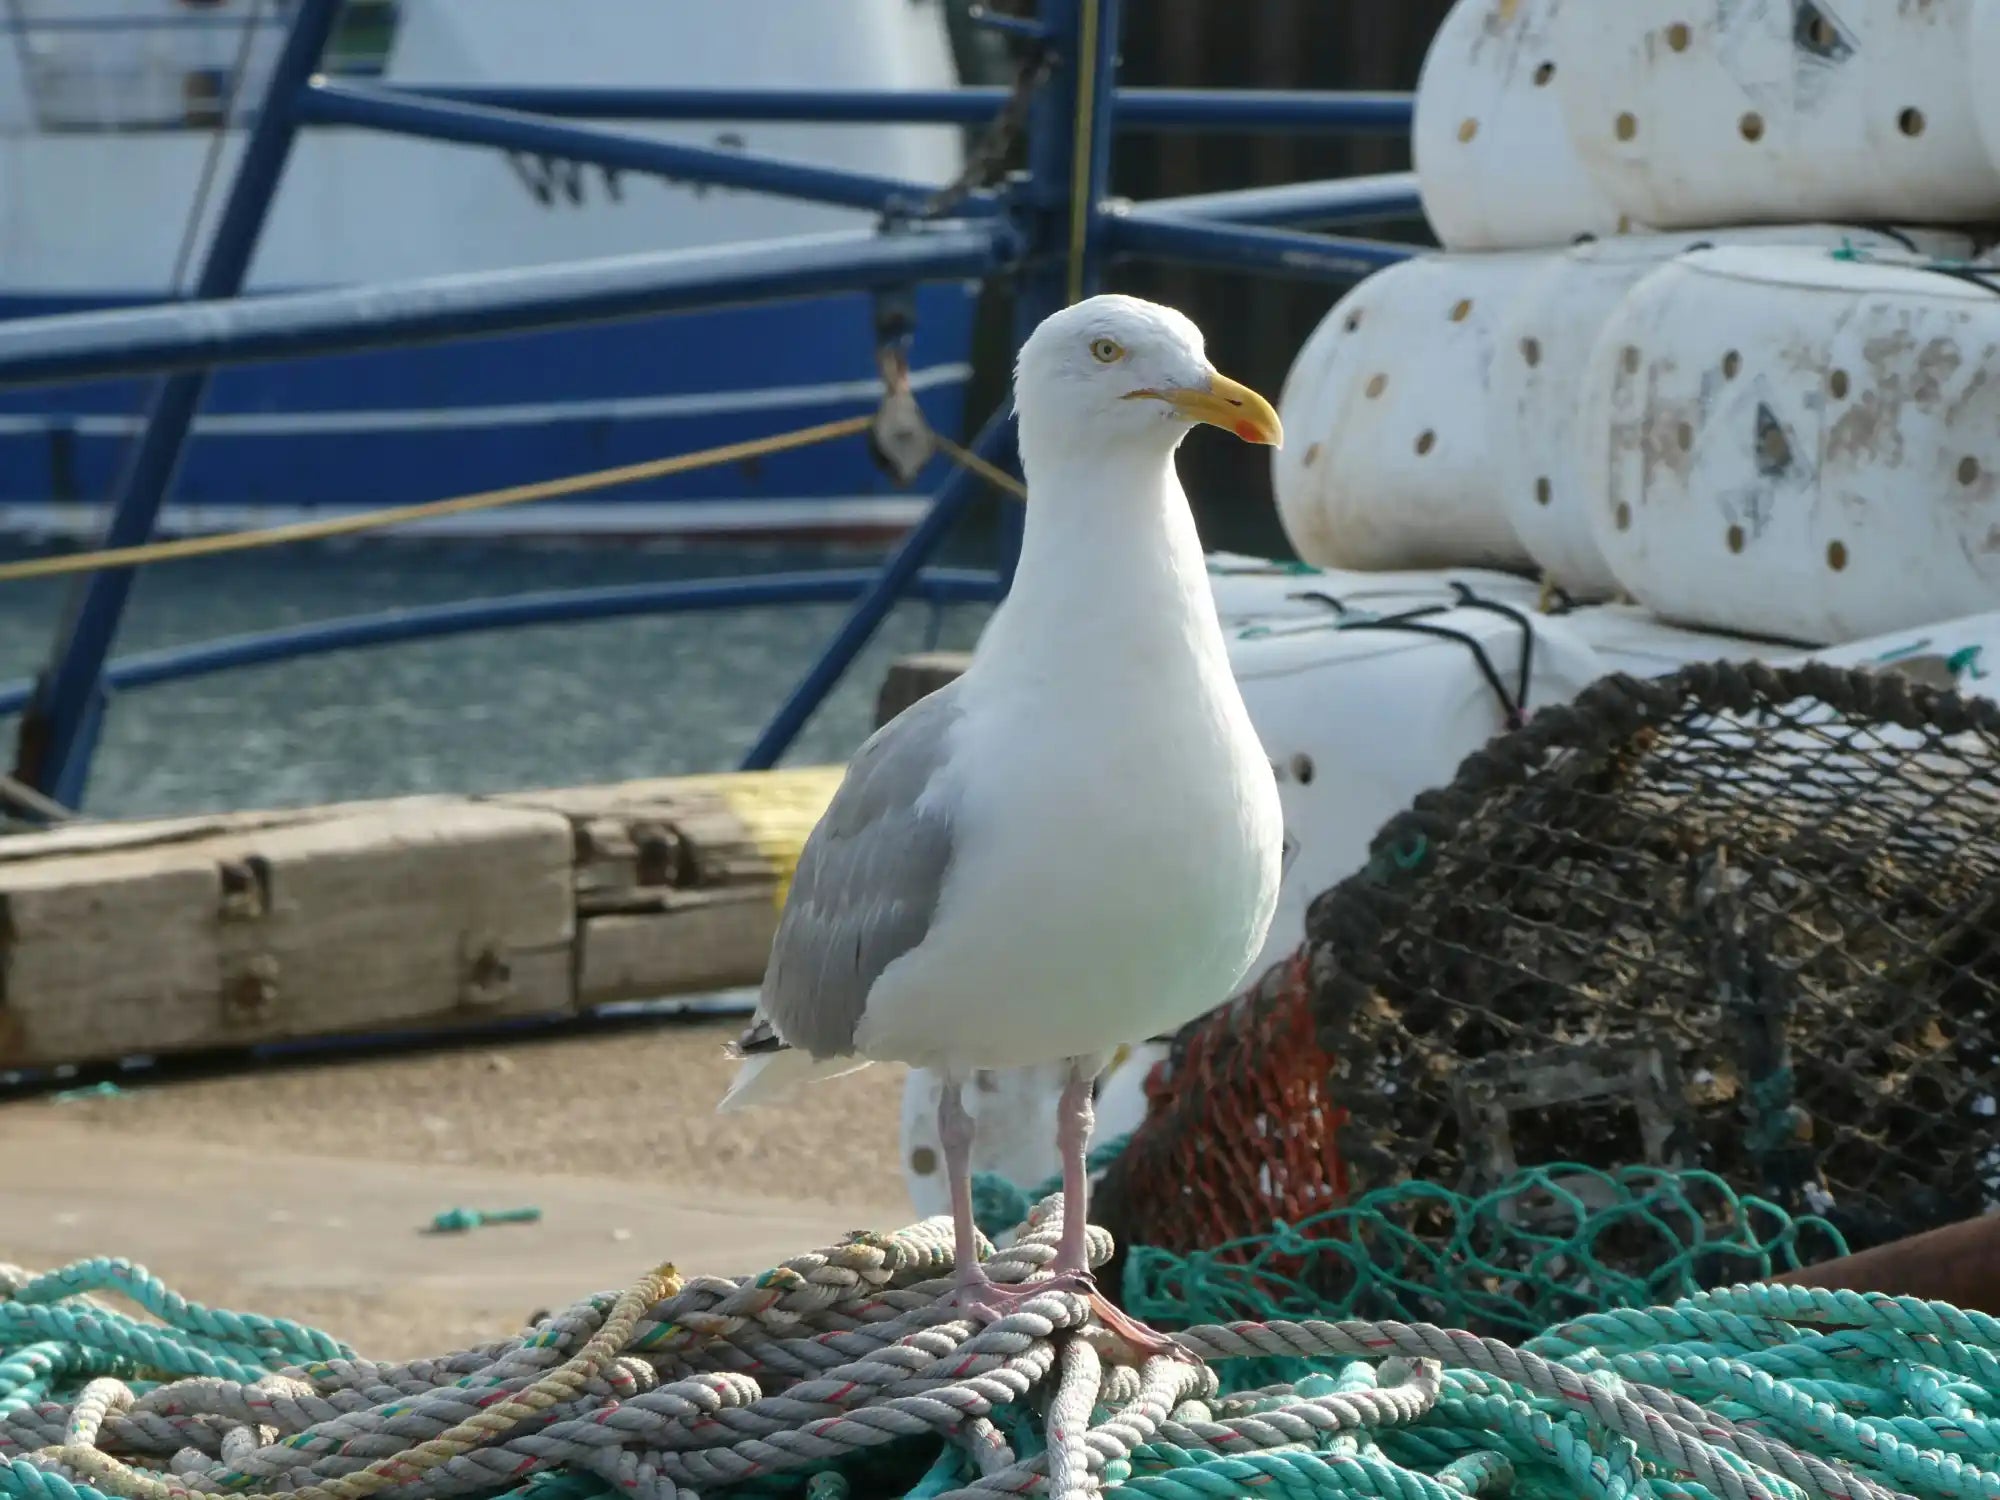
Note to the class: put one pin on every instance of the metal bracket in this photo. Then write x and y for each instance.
(900, 439)
(1640, 1074)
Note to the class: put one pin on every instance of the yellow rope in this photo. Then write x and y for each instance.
(400, 515)
(993, 474)
(519, 494)
(1080, 205)
(564, 1383)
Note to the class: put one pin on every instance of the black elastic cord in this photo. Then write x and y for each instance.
(1513, 705)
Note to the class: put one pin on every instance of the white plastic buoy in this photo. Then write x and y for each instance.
(1494, 162)
(1328, 358)
(1256, 593)
(1799, 445)
(1696, 112)
(1361, 713)
(1016, 1114)
(1386, 462)
(1545, 345)
(1016, 1137)
(1962, 654)
(1982, 54)
(1639, 643)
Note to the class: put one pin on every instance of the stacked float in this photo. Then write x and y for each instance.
(1708, 350)
(1778, 417)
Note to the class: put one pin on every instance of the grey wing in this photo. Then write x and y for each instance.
(866, 887)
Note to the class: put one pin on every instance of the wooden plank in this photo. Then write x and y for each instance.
(914, 677)
(378, 915)
(641, 842)
(216, 931)
(694, 942)
(93, 838)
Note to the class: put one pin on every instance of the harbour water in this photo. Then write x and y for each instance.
(551, 705)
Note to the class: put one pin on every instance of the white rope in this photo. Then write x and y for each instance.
(682, 1387)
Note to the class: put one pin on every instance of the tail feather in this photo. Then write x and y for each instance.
(767, 1076)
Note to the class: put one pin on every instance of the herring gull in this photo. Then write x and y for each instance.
(1076, 843)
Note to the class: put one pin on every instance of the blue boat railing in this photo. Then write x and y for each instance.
(1052, 228)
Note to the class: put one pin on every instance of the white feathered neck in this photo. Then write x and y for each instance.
(1111, 570)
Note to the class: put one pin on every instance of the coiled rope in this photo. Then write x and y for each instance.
(843, 1373)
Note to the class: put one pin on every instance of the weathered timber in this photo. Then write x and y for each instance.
(911, 678)
(218, 931)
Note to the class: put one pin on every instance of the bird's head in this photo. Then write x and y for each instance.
(1115, 366)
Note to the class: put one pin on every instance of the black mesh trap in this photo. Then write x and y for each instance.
(1740, 919)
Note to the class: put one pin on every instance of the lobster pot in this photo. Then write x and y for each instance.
(1798, 446)
(1693, 112)
(1494, 161)
(1544, 347)
(1386, 462)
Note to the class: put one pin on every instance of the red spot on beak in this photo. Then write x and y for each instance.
(1248, 432)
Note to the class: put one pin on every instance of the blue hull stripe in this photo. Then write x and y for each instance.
(400, 426)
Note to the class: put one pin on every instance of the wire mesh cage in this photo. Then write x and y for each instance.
(1740, 919)
(1687, 982)
(1232, 1201)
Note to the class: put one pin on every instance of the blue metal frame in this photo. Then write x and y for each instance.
(383, 108)
(1028, 228)
(514, 612)
(432, 309)
(1134, 109)
(1303, 205)
(59, 732)
(1240, 247)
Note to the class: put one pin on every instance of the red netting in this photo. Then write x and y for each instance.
(1240, 1129)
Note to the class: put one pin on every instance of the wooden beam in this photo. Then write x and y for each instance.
(195, 933)
(911, 678)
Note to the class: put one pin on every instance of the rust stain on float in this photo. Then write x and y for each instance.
(1856, 433)
(1901, 374)
(1804, 358)
(1975, 387)
(1937, 362)
(1498, 23)
(1869, 428)
(1666, 440)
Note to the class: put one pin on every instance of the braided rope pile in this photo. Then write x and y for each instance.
(842, 1373)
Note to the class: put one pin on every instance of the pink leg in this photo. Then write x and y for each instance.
(976, 1293)
(955, 1133)
(1076, 1113)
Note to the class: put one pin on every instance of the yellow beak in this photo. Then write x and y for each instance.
(1227, 404)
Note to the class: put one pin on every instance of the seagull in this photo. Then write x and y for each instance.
(1076, 842)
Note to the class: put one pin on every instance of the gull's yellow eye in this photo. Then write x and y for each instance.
(1106, 351)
